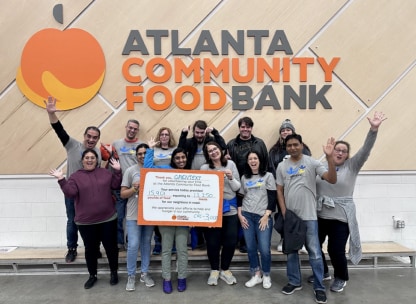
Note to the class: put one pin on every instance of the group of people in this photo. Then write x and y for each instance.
(315, 197)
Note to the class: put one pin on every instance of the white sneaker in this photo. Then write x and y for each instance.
(303, 250)
(147, 280)
(131, 283)
(227, 277)
(256, 279)
(267, 282)
(280, 246)
(213, 278)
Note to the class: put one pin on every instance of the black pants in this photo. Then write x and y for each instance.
(225, 237)
(337, 233)
(92, 235)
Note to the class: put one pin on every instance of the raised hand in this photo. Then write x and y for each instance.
(376, 121)
(50, 104)
(56, 173)
(114, 163)
(329, 148)
(152, 143)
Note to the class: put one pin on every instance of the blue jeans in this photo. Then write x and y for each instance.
(139, 236)
(257, 240)
(121, 214)
(315, 259)
(71, 227)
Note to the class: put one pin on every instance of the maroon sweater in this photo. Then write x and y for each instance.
(92, 192)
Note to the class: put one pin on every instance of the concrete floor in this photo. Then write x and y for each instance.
(381, 285)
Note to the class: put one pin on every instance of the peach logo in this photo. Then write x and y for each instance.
(68, 65)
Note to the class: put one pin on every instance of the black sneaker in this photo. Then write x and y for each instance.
(71, 255)
(91, 281)
(289, 289)
(327, 277)
(114, 278)
(243, 249)
(320, 296)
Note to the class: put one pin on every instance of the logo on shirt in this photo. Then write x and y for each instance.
(255, 184)
(296, 171)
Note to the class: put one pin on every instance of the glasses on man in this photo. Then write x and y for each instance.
(341, 151)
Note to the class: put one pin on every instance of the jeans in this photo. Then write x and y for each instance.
(179, 235)
(315, 259)
(337, 233)
(71, 227)
(257, 240)
(224, 237)
(92, 235)
(139, 236)
(121, 214)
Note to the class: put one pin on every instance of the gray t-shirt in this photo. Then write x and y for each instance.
(126, 151)
(254, 190)
(199, 158)
(162, 156)
(132, 174)
(299, 182)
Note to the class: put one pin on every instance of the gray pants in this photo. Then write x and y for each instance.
(180, 236)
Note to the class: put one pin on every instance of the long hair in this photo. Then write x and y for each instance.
(209, 160)
(172, 141)
(248, 173)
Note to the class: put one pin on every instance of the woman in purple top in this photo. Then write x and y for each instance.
(95, 213)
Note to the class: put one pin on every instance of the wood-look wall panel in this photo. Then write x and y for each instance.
(19, 20)
(376, 41)
(111, 22)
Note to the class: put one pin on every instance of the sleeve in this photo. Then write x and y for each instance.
(60, 131)
(219, 139)
(148, 160)
(271, 193)
(69, 187)
(182, 140)
(116, 179)
(271, 165)
(126, 181)
(362, 155)
(235, 182)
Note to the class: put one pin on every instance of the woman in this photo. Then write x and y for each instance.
(336, 208)
(171, 234)
(259, 189)
(227, 235)
(139, 235)
(95, 212)
(278, 153)
(162, 156)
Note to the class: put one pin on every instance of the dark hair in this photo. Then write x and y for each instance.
(142, 145)
(262, 167)
(294, 136)
(176, 151)
(209, 160)
(201, 124)
(135, 121)
(247, 120)
(92, 128)
(344, 143)
(87, 151)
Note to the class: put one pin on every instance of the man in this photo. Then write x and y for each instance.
(238, 149)
(296, 191)
(74, 150)
(194, 148)
(124, 150)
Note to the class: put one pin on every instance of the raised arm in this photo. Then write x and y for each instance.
(331, 175)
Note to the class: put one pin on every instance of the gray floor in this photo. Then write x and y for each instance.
(382, 285)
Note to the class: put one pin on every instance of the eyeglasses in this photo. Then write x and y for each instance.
(164, 134)
(212, 150)
(341, 151)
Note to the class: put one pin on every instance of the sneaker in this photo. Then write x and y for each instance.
(320, 296)
(289, 289)
(131, 283)
(243, 249)
(227, 277)
(157, 249)
(114, 278)
(256, 279)
(280, 246)
(213, 278)
(167, 286)
(267, 282)
(181, 285)
(90, 282)
(303, 250)
(147, 280)
(71, 255)
(338, 285)
(327, 277)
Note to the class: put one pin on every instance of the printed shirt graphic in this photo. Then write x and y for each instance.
(162, 156)
(299, 182)
(254, 190)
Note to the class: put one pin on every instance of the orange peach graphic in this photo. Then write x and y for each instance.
(68, 65)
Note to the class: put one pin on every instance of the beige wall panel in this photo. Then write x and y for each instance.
(111, 22)
(300, 20)
(395, 146)
(376, 41)
(19, 21)
(33, 147)
(315, 125)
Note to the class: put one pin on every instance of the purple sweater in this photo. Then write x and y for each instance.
(92, 192)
